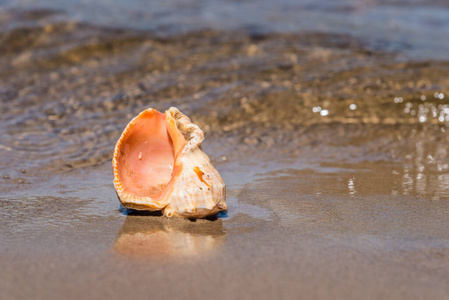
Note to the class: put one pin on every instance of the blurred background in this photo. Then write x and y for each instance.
(252, 73)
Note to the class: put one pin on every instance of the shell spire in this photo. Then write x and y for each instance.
(158, 164)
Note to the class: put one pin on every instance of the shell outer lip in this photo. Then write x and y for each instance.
(129, 200)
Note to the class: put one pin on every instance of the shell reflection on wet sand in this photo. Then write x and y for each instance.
(152, 237)
(158, 164)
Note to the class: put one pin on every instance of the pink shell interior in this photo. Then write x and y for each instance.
(146, 158)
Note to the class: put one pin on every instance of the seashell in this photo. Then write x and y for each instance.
(158, 164)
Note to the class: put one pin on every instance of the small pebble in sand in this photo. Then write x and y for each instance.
(251, 140)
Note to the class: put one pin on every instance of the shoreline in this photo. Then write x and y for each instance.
(278, 239)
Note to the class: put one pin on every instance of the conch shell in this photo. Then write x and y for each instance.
(158, 164)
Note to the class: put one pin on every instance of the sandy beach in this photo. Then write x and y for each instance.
(327, 121)
(288, 234)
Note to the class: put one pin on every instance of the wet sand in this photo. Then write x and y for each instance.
(332, 141)
(346, 234)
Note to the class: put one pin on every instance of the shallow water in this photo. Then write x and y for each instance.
(327, 120)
